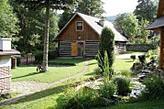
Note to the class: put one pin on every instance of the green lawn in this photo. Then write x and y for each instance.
(28, 73)
(155, 104)
(47, 99)
(122, 64)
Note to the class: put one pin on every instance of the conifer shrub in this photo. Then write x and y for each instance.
(106, 44)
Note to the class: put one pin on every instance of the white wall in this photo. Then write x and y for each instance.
(5, 61)
(5, 43)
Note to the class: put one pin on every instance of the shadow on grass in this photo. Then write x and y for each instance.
(90, 74)
(72, 61)
(92, 63)
(30, 74)
(42, 94)
(129, 61)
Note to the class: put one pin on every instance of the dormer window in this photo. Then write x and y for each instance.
(79, 26)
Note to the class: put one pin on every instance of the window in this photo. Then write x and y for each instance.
(79, 26)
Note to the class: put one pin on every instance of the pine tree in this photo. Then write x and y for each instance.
(47, 5)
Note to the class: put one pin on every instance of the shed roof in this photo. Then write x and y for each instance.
(159, 22)
(9, 52)
(93, 22)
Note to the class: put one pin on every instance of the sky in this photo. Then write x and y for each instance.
(114, 7)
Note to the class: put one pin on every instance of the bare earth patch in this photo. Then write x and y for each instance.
(26, 87)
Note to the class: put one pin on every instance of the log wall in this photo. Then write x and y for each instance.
(91, 48)
(65, 48)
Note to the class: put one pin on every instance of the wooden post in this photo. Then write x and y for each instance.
(162, 48)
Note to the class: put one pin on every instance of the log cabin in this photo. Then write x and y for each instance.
(81, 36)
(158, 25)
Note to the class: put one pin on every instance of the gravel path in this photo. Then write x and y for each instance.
(26, 88)
(127, 56)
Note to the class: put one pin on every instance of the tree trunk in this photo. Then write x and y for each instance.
(162, 49)
(46, 38)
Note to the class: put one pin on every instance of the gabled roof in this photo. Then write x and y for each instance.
(93, 22)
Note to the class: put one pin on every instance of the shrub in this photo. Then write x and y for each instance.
(133, 57)
(142, 58)
(84, 98)
(64, 98)
(52, 54)
(123, 86)
(126, 73)
(98, 70)
(106, 71)
(106, 44)
(154, 87)
(107, 90)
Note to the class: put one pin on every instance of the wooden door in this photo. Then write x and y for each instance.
(74, 49)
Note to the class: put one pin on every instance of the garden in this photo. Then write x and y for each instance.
(124, 73)
(120, 81)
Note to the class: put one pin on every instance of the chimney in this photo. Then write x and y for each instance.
(5, 44)
(101, 22)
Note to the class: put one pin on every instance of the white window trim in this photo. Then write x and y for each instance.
(82, 25)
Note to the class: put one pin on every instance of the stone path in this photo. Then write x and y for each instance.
(127, 56)
(26, 88)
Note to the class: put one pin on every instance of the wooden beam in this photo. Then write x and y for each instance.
(162, 48)
(160, 8)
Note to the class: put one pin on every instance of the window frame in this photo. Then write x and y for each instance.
(76, 23)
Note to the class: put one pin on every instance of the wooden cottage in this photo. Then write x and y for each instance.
(81, 36)
(5, 64)
(158, 25)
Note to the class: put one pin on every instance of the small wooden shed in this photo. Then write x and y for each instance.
(158, 25)
(5, 64)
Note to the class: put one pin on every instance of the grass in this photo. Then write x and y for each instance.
(42, 100)
(28, 73)
(122, 64)
(66, 61)
(154, 104)
(54, 74)
(47, 99)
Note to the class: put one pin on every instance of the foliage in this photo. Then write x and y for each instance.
(142, 58)
(84, 98)
(52, 54)
(123, 85)
(154, 87)
(8, 20)
(48, 5)
(97, 71)
(127, 24)
(90, 7)
(107, 90)
(126, 73)
(64, 18)
(155, 41)
(133, 57)
(146, 9)
(142, 32)
(32, 28)
(106, 47)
